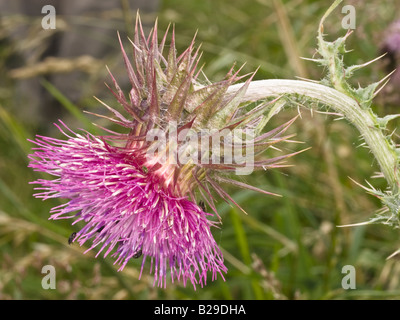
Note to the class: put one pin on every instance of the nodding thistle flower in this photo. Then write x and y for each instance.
(137, 193)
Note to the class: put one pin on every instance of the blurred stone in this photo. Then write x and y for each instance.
(83, 29)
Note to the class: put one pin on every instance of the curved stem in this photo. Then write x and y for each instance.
(363, 120)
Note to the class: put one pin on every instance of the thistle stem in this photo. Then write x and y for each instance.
(363, 120)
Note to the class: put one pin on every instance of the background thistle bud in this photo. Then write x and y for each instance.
(391, 47)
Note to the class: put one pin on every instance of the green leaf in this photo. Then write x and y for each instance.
(72, 108)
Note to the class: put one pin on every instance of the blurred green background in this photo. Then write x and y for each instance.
(286, 248)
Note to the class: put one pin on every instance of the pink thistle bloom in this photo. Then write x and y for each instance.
(125, 208)
(133, 204)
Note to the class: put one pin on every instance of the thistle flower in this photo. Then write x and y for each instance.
(133, 193)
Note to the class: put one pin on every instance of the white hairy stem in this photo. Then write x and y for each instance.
(363, 120)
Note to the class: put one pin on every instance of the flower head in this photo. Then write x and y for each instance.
(136, 192)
